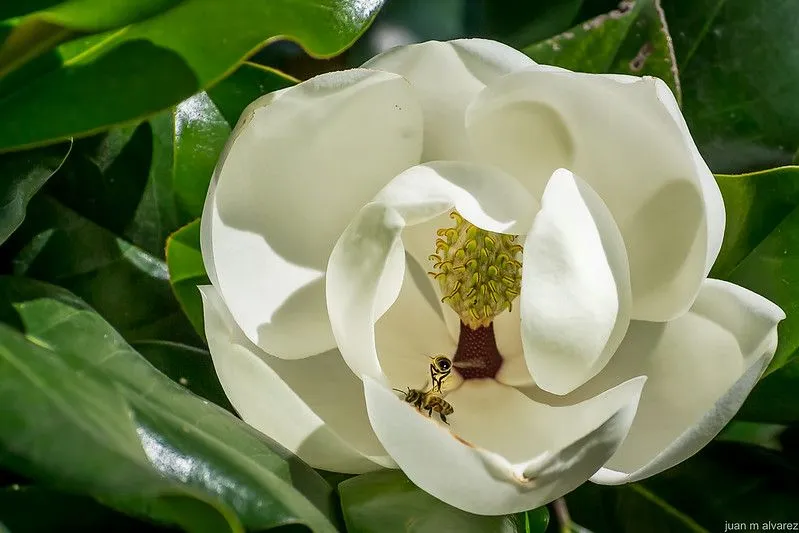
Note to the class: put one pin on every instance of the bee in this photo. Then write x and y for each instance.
(440, 368)
(428, 401)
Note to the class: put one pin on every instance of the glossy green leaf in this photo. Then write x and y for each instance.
(761, 249)
(186, 272)
(756, 204)
(88, 412)
(725, 483)
(633, 39)
(738, 61)
(191, 367)
(38, 510)
(388, 502)
(176, 51)
(22, 174)
(129, 286)
(145, 181)
(761, 252)
(248, 82)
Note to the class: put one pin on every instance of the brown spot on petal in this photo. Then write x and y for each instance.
(463, 441)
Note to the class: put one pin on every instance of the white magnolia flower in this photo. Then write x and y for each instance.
(617, 360)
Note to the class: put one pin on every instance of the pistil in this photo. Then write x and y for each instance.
(477, 355)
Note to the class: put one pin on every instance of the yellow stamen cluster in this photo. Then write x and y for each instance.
(479, 271)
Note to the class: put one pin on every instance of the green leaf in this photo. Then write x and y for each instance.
(725, 483)
(760, 251)
(388, 502)
(765, 435)
(773, 399)
(187, 271)
(39, 510)
(763, 249)
(85, 411)
(521, 23)
(756, 204)
(111, 80)
(738, 62)
(191, 367)
(632, 39)
(126, 284)
(22, 174)
(248, 82)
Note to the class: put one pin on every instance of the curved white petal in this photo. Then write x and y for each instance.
(409, 334)
(298, 166)
(314, 407)
(508, 332)
(367, 265)
(714, 202)
(503, 453)
(701, 367)
(447, 76)
(575, 299)
(622, 135)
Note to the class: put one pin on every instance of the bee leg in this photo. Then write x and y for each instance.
(430, 412)
(443, 418)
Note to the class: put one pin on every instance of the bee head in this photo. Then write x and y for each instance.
(441, 363)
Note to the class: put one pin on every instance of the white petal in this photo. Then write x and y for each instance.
(503, 453)
(447, 76)
(701, 367)
(408, 335)
(314, 407)
(367, 265)
(507, 329)
(298, 166)
(575, 299)
(714, 202)
(622, 136)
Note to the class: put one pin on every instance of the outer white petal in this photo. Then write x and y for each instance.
(575, 299)
(701, 367)
(314, 407)
(503, 453)
(367, 265)
(447, 76)
(298, 166)
(625, 137)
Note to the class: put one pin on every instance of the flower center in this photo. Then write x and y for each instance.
(479, 273)
(477, 355)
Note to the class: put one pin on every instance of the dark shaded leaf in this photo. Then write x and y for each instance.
(738, 61)
(633, 39)
(88, 413)
(774, 399)
(109, 79)
(39, 510)
(388, 502)
(22, 174)
(123, 282)
(725, 483)
(522, 23)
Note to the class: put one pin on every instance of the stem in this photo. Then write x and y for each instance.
(562, 515)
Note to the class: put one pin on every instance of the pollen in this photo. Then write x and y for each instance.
(479, 271)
